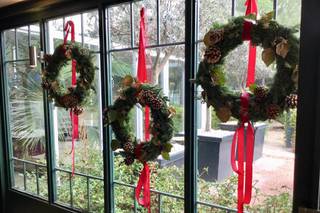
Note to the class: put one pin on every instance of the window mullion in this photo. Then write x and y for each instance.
(106, 100)
(50, 149)
(190, 117)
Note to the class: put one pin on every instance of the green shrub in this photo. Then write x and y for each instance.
(168, 179)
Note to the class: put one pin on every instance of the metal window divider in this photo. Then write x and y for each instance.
(106, 94)
(50, 149)
(190, 193)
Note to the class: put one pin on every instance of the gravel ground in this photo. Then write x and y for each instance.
(273, 173)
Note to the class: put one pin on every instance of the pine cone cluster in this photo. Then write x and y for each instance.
(147, 97)
(69, 101)
(213, 37)
(128, 147)
(292, 101)
(273, 111)
(212, 55)
(260, 94)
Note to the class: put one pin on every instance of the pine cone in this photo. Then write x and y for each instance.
(273, 111)
(292, 101)
(129, 160)
(69, 101)
(212, 55)
(77, 110)
(213, 37)
(45, 85)
(223, 113)
(260, 94)
(128, 147)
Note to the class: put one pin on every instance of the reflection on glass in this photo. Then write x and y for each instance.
(26, 116)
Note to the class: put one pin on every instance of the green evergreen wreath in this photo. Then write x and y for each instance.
(72, 97)
(279, 44)
(161, 126)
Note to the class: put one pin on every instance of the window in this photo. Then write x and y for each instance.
(26, 146)
(39, 134)
(165, 63)
(85, 190)
(274, 154)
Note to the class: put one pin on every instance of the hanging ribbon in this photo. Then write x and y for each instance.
(142, 71)
(144, 178)
(69, 29)
(252, 8)
(244, 151)
(238, 149)
(144, 182)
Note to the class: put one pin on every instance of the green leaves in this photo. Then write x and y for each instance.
(165, 155)
(115, 144)
(112, 116)
(167, 147)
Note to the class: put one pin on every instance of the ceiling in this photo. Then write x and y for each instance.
(4, 3)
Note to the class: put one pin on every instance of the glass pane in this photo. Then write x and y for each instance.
(23, 43)
(264, 6)
(27, 128)
(9, 45)
(211, 12)
(55, 33)
(76, 19)
(166, 69)
(289, 12)
(172, 21)
(274, 142)
(85, 190)
(120, 26)
(35, 36)
(150, 21)
(91, 30)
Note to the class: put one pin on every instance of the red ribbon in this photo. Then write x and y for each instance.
(144, 182)
(244, 173)
(69, 29)
(252, 8)
(238, 146)
(144, 178)
(142, 70)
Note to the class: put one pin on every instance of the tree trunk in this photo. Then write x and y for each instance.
(159, 64)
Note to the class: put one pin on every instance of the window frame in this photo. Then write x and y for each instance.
(307, 122)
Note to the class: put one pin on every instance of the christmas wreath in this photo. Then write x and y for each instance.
(279, 44)
(72, 97)
(161, 128)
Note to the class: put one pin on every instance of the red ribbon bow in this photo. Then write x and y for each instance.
(69, 29)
